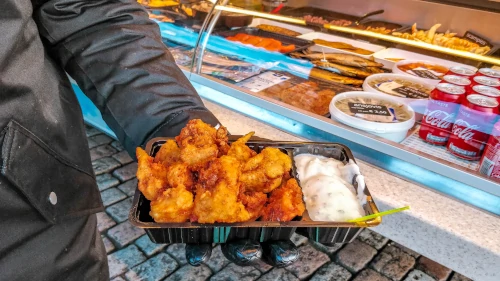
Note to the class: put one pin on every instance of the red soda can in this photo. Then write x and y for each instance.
(461, 71)
(440, 113)
(483, 80)
(472, 127)
(489, 72)
(457, 80)
(490, 163)
(486, 91)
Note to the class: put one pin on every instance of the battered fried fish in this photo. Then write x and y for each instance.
(173, 205)
(152, 177)
(180, 174)
(264, 172)
(169, 153)
(217, 193)
(285, 203)
(199, 143)
(240, 150)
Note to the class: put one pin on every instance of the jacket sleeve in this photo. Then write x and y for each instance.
(116, 55)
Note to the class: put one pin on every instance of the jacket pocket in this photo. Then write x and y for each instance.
(54, 186)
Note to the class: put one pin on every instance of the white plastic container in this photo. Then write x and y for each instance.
(433, 82)
(303, 30)
(396, 132)
(418, 105)
(358, 44)
(383, 56)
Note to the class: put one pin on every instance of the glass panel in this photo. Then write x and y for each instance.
(383, 67)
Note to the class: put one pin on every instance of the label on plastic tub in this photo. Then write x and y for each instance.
(372, 109)
(397, 89)
(425, 73)
(263, 81)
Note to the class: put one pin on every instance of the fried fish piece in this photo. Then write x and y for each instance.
(240, 150)
(264, 172)
(199, 143)
(342, 69)
(285, 203)
(168, 154)
(152, 177)
(333, 77)
(173, 205)
(217, 193)
(180, 174)
(253, 201)
(279, 30)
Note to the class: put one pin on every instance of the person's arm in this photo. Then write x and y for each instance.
(116, 55)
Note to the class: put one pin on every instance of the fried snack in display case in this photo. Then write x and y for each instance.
(202, 186)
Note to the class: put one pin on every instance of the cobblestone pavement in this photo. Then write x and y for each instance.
(133, 257)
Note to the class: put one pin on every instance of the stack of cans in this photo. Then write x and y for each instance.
(461, 114)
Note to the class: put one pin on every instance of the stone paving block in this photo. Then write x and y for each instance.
(101, 151)
(326, 249)
(298, 239)
(101, 139)
(459, 277)
(370, 275)
(111, 196)
(126, 173)
(373, 239)
(417, 275)
(178, 251)
(104, 222)
(129, 187)
(262, 266)
(233, 272)
(407, 250)
(117, 145)
(393, 262)
(118, 279)
(217, 261)
(91, 143)
(91, 131)
(433, 269)
(278, 274)
(148, 247)
(356, 255)
(154, 269)
(104, 165)
(123, 157)
(309, 261)
(191, 273)
(116, 267)
(124, 233)
(107, 244)
(331, 271)
(106, 181)
(129, 256)
(119, 211)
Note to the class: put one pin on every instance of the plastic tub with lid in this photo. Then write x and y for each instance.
(355, 114)
(414, 97)
(424, 71)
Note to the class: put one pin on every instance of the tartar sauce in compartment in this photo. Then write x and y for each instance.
(327, 187)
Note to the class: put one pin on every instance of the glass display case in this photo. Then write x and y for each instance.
(411, 86)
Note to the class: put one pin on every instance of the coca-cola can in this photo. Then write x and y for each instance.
(461, 71)
(489, 72)
(457, 80)
(490, 163)
(483, 80)
(472, 127)
(440, 113)
(486, 91)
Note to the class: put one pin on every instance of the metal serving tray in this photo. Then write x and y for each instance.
(324, 232)
(300, 44)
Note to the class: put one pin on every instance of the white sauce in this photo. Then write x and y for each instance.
(326, 185)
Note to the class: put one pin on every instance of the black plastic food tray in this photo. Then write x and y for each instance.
(317, 12)
(324, 232)
(300, 44)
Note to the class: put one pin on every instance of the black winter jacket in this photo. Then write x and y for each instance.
(116, 55)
